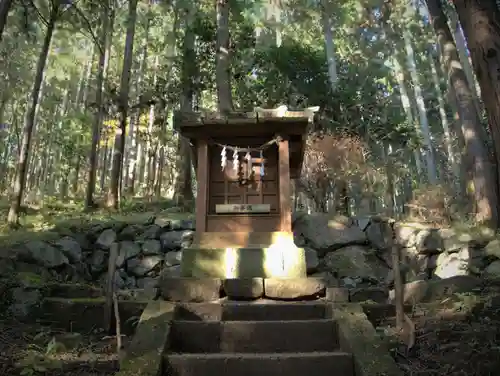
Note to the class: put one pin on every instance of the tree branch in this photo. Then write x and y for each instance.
(89, 27)
(42, 18)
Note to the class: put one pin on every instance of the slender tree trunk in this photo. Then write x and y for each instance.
(29, 123)
(422, 111)
(329, 45)
(223, 58)
(105, 39)
(119, 148)
(452, 163)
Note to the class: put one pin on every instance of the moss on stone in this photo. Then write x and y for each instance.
(31, 279)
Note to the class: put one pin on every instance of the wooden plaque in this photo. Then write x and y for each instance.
(242, 208)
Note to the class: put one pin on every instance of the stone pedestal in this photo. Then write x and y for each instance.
(238, 255)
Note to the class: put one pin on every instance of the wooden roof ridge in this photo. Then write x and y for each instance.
(258, 115)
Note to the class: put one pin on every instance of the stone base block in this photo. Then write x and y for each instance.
(278, 261)
(190, 289)
(243, 288)
(294, 288)
(337, 294)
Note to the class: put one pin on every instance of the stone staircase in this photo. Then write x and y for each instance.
(256, 327)
(262, 338)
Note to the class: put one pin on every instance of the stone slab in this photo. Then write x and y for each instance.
(243, 288)
(247, 311)
(358, 337)
(294, 336)
(294, 364)
(190, 289)
(294, 288)
(144, 354)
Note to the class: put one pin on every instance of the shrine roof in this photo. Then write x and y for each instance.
(280, 118)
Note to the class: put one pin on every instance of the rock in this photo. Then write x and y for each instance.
(493, 248)
(437, 290)
(171, 240)
(147, 283)
(429, 241)
(151, 247)
(71, 249)
(379, 234)
(24, 301)
(325, 234)
(127, 250)
(182, 224)
(173, 258)
(312, 260)
(98, 261)
(493, 270)
(139, 267)
(150, 232)
(405, 235)
(43, 254)
(356, 261)
(70, 341)
(452, 264)
(299, 240)
(131, 232)
(375, 294)
(187, 239)
(106, 238)
(293, 288)
(243, 288)
(171, 271)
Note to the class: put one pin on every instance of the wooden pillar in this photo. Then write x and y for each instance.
(284, 186)
(202, 182)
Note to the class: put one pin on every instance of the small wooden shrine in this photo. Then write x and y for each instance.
(244, 165)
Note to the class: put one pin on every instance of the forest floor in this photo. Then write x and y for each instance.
(33, 350)
(458, 338)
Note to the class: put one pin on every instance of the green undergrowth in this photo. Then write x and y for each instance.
(48, 221)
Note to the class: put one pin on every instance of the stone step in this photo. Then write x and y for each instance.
(253, 336)
(271, 364)
(85, 315)
(247, 311)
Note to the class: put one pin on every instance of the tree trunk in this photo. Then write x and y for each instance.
(452, 163)
(183, 192)
(422, 111)
(105, 39)
(223, 61)
(479, 165)
(29, 123)
(329, 45)
(119, 147)
(4, 12)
